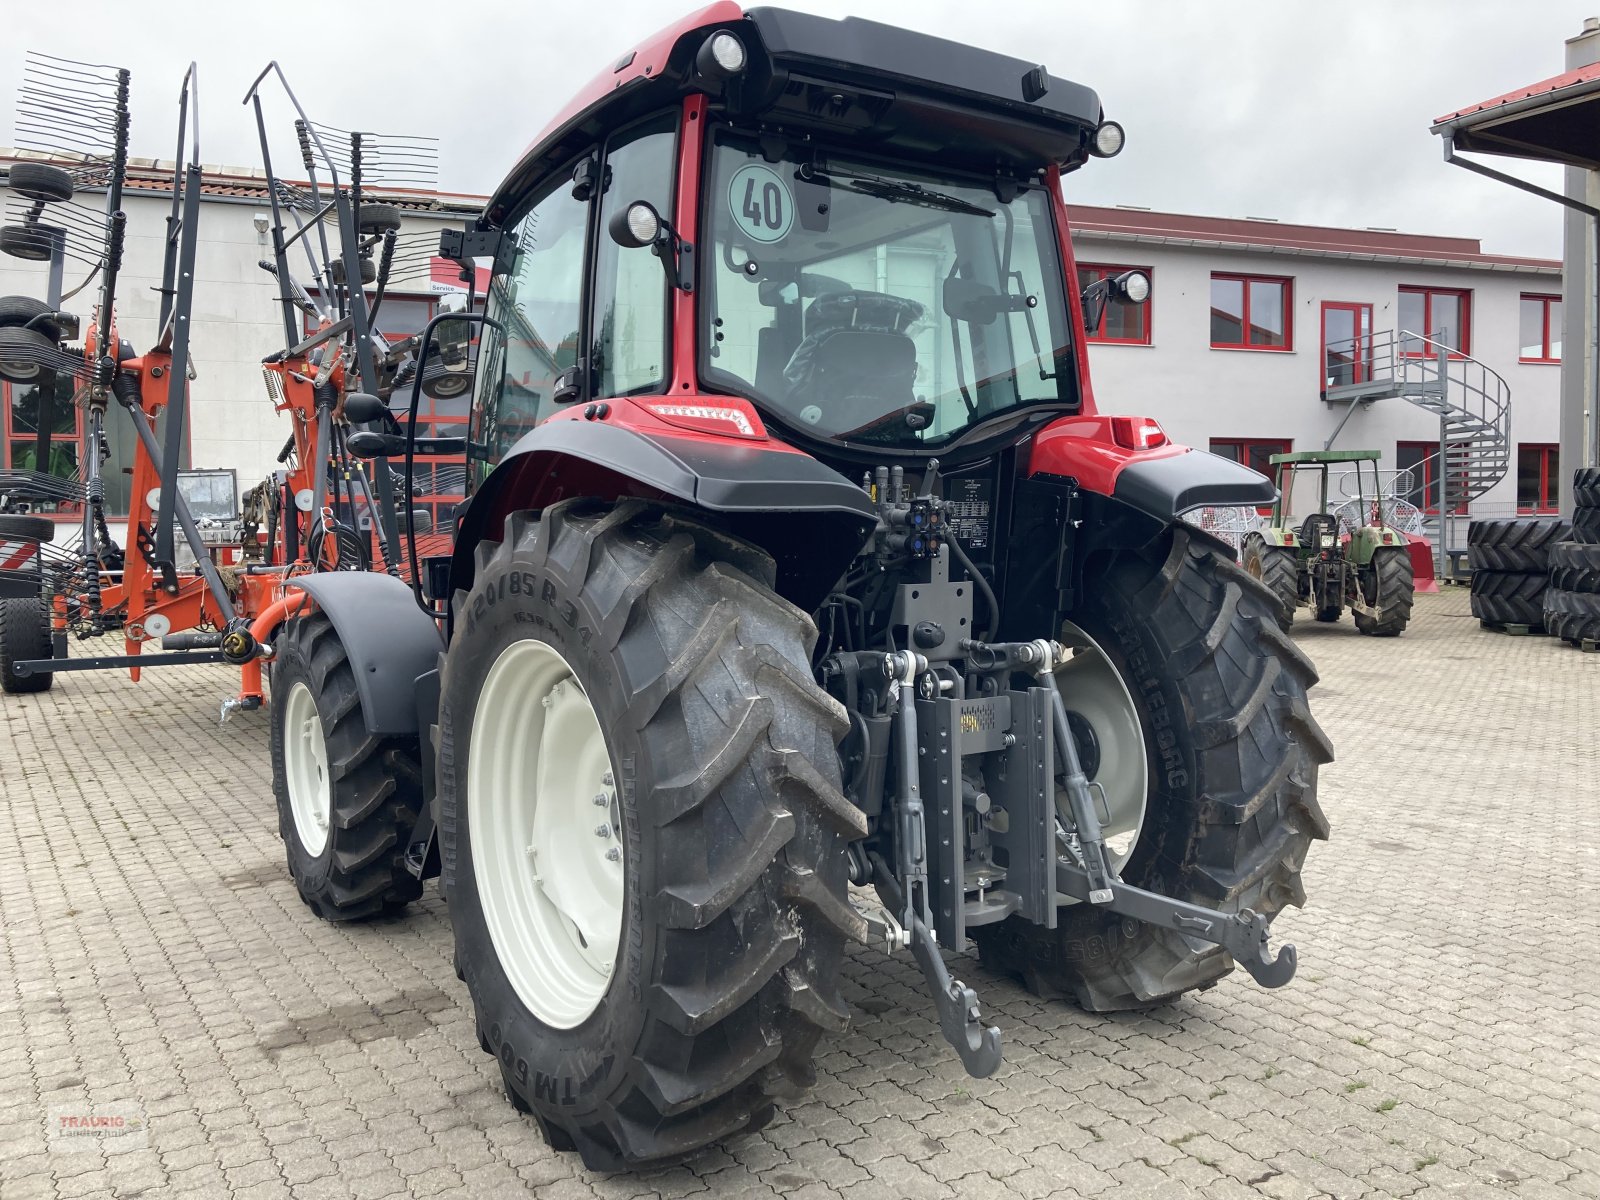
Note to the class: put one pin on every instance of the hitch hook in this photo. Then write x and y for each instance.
(978, 1045)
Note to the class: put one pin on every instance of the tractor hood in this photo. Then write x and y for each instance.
(893, 90)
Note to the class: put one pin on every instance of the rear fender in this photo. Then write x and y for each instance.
(1277, 535)
(390, 641)
(1372, 539)
(809, 518)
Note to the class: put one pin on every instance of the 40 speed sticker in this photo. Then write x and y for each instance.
(761, 204)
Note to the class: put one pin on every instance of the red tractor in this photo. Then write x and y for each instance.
(797, 567)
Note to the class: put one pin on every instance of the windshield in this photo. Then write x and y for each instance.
(866, 303)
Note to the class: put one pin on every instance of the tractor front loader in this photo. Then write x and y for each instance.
(802, 597)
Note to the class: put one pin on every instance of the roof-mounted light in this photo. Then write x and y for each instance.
(1108, 140)
(721, 55)
(1133, 287)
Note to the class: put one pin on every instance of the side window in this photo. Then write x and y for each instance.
(540, 303)
(630, 300)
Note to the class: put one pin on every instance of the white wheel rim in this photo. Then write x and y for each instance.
(1093, 688)
(305, 761)
(548, 857)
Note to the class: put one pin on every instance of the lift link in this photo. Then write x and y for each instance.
(1242, 934)
(1046, 657)
(977, 1045)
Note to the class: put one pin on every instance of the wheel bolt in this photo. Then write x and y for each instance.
(602, 800)
(606, 779)
(603, 831)
(614, 854)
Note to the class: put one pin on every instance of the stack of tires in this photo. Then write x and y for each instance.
(1511, 568)
(1572, 600)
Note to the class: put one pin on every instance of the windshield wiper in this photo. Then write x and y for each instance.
(902, 191)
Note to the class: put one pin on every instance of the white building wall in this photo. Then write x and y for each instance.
(1199, 393)
(237, 318)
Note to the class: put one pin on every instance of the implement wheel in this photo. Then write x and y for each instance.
(1386, 584)
(642, 831)
(1230, 763)
(24, 635)
(1278, 567)
(347, 798)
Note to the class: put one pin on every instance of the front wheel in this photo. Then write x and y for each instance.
(642, 831)
(24, 635)
(1387, 585)
(1230, 755)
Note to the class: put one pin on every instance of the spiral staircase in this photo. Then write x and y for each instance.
(1471, 401)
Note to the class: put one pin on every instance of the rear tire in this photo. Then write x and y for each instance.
(1586, 487)
(361, 790)
(1586, 526)
(1279, 568)
(730, 818)
(1387, 585)
(24, 635)
(1233, 757)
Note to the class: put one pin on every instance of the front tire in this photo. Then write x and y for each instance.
(725, 805)
(347, 798)
(1233, 753)
(1388, 586)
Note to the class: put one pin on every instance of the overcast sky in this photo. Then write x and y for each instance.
(1303, 110)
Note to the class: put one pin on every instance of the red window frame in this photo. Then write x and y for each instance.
(1428, 293)
(1549, 456)
(11, 438)
(1361, 368)
(1246, 445)
(1428, 484)
(1091, 272)
(1545, 302)
(1245, 323)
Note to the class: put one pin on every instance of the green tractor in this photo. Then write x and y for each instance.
(1312, 564)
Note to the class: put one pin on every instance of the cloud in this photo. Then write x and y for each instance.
(1299, 110)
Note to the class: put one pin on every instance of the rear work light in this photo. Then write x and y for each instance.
(709, 418)
(1137, 433)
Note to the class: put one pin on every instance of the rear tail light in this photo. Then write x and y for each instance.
(726, 420)
(1137, 433)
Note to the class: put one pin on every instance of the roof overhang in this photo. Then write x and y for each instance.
(1554, 120)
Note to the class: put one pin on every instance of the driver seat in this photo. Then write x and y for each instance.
(1315, 526)
(856, 364)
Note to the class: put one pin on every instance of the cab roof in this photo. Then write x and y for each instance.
(864, 82)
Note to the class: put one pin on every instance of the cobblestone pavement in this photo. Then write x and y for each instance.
(1443, 1036)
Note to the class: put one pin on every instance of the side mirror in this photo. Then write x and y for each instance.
(363, 408)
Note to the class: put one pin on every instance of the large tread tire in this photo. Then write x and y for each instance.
(1234, 753)
(1515, 544)
(1586, 487)
(24, 635)
(376, 784)
(1278, 567)
(1575, 567)
(19, 310)
(1586, 526)
(735, 909)
(29, 529)
(1387, 584)
(1572, 616)
(1509, 597)
(40, 181)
